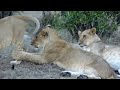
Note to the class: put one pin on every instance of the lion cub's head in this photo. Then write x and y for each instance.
(87, 37)
(40, 39)
(45, 36)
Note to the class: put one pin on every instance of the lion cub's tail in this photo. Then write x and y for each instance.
(26, 17)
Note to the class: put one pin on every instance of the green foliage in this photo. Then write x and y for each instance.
(104, 21)
(55, 21)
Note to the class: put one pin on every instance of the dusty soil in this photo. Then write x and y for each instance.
(29, 70)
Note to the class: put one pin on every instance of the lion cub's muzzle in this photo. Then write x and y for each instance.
(82, 45)
(36, 46)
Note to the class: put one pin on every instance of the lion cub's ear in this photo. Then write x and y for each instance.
(79, 33)
(44, 34)
(92, 31)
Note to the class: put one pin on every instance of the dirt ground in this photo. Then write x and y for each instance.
(28, 70)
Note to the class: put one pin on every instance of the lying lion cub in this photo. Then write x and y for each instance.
(92, 43)
(58, 51)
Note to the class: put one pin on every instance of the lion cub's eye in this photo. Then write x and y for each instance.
(84, 36)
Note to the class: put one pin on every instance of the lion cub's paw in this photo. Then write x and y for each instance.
(65, 74)
(82, 77)
(15, 62)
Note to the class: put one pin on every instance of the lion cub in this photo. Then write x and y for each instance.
(73, 60)
(12, 29)
(90, 41)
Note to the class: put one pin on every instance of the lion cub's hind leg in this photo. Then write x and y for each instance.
(91, 73)
(18, 41)
(84, 73)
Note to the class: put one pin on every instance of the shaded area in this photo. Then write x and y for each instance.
(5, 13)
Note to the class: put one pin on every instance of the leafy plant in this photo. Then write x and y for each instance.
(104, 21)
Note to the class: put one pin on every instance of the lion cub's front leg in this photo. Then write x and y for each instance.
(15, 62)
(25, 56)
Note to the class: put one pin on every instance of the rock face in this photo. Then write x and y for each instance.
(66, 35)
(115, 37)
(37, 14)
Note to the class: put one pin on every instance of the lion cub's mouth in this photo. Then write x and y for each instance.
(82, 45)
(36, 46)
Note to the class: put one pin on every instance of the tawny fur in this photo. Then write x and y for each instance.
(92, 43)
(12, 30)
(58, 51)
